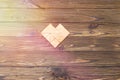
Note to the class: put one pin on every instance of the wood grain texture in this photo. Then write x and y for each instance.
(66, 4)
(83, 65)
(71, 43)
(60, 15)
(75, 29)
(103, 38)
(90, 52)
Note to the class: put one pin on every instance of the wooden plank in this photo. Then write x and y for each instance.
(79, 71)
(97, 58)
(26, 59)
(71, 43)
(86, 4)
(35, 77)
(76, 43)
(99, 65)
(77, 4)
(75, 29)
(60, 15)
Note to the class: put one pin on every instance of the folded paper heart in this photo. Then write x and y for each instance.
(55, 35)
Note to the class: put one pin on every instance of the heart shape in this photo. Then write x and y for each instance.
(55, 35)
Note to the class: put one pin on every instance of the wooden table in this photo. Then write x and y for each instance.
(90, 52)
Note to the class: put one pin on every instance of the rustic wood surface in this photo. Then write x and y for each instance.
(87, 53)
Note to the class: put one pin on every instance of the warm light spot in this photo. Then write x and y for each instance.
(11, 31)
(17, 4)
